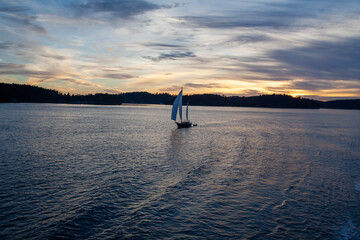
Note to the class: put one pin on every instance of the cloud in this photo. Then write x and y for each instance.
(5, 45)
(20, 69)
(170, 89)
(268, 14)
(79, 82)
(112, 91)
(44, 57)
(233, 21)
(115, 8)
(172, 56)
(107, 72)
(163, 45)
(53, 56)
(251, 38)
(335, 60)
(193, 87)
(25, 21)
(316, 85)
(256, 15)
(202, 85)
(252, 92)
(12, 8)
(117, 75)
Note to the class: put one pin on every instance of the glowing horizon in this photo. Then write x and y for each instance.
(306, 49)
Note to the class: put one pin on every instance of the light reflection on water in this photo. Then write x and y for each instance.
(72, 171)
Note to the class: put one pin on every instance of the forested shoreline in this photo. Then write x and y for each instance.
(21, 93)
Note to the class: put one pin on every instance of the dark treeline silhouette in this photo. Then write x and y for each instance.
(274, 100)
(98, 98)
(27, 93)
(341, 104)
(147, 98)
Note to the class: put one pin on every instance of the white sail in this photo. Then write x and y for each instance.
(187, 111)
(177, 104)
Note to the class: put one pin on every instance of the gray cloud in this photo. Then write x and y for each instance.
(26, 22)
(175, 88)
(170, 89)
(117, 75)
(252, 92)
(163, 45)
(172, 56)
(10, 66)
(322, 60)
(261, 15)
(111, 91)
(233, 21)
(19, 69)
(116, 8)
(54, 56)
(202, 85)
(254, 38)
(12, 8)
(5, 45)
(78, 82)
(307, 85)
(12, 45)
(270, 14)
(323, 84)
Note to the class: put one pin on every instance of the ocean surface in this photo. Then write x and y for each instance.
(127, 172)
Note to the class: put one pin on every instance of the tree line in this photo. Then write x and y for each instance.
(28, 93)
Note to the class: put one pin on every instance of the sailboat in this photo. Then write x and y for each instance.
(178, 105)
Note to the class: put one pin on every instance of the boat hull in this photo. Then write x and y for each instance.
(183, 124)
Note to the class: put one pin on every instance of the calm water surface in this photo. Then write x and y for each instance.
(127, 172)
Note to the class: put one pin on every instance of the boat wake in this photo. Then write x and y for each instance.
(349, 231)
(357, 186)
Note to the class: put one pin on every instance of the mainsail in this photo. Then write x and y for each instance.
(177, 105)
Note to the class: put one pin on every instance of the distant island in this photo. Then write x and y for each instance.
(21, 93)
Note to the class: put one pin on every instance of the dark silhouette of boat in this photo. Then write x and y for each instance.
(184, 124)
(177, 105)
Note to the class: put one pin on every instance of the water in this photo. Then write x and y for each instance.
(127, 172)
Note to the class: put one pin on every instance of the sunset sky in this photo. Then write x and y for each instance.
(246, 48)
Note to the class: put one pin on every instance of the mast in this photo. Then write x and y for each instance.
(180, 104)
(187, 111)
